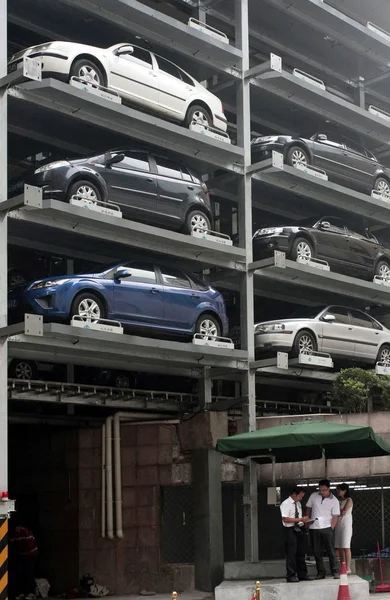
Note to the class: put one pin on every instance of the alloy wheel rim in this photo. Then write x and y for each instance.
(23, 370)
(384, 271)
(303, 251)
(89, 310)
(306, 345)
(298, 158)
(200, 118)
(385, 357)
(122, 381)
(86, 192)
(87, 73)
(383, 187)
(208, 329)
(17, 280)
(199, 223)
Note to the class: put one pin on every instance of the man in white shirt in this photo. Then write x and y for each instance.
(293, 523)
(323, 508)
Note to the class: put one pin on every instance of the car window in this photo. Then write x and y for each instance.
(174, 278)
(353, 146)
(341, 314)
(360, 319)
(136, 161)
(141, 55)
(370, 155)
(140, 273)
(168, 168)
(336, 225)
(198, 284)
(168, 67)
(186, 78)
(185, 174)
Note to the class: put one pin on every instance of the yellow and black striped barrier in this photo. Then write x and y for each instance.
(3, 559)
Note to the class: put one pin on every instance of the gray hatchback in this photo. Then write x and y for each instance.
(146, 187)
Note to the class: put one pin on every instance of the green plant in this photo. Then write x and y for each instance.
(356, 389)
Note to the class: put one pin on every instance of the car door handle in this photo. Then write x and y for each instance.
(350, 328)
(190, 187)
(150, 179)
(195, 296)
(152, 74)
(155, 291)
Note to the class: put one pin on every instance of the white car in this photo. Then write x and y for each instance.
(139, 76)
(344, 333)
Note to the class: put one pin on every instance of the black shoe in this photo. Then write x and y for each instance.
(319, 577)
(293, 580)
(307, 578)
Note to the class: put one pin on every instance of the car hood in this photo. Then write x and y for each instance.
(62, 277)
(284, 321)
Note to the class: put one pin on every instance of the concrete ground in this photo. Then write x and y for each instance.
(195, 595)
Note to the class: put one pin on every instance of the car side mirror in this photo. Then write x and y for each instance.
(122, 272)
(329, 318)
(325, 225)
(113, 159)
(322, 137)
(125, 50)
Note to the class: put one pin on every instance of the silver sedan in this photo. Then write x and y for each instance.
(339, 331)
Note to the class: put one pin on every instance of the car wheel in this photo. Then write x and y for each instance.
(23, 369)
(297, 156)
(382, 269)
(382, 186)
(89, 307)
(302, 249)
(304, 343)
(384, 356)
(198, 221)
(208, 327)
(88, 71)
(198, 115)
(16, 278)
(84, 190)
(121, 380)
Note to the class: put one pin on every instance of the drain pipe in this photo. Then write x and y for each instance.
(110, 513)
(103, 530)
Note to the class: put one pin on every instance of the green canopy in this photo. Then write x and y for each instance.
(306, 440)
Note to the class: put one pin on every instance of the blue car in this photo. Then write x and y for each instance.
(140, 295)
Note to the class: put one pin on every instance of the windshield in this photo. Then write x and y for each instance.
(306, 312)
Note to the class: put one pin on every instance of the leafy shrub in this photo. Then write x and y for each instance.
(356, 389)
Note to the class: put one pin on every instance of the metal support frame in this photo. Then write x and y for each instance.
(361, 92)
(246, 284)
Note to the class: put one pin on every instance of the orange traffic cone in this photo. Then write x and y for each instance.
(343, 587)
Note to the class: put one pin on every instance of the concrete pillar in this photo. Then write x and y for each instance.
(209, 558)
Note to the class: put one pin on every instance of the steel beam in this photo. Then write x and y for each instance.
(246, 286)
(3, 254)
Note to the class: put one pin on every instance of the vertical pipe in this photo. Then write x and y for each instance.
(383, 514)
(118, 476)
(246, 284)
(110, 514)
(103, 526)
(3, 254)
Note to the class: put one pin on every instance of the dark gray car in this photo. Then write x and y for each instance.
(346, 161)
(147, 187)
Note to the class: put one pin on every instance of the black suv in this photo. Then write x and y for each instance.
(146, 187)
(346, 161)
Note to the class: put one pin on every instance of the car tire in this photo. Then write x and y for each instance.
(382, 185)
(198, 115)
(16, 277)
(303, 249)
(384, 355)
(88, 71)
(88, 306)
(85, 190)
(121, 380)
(382, 269)
(208, 327)
(196, 220)
(304, 339)
(297, 155)
(24, 370)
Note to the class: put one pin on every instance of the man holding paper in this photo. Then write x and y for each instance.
(323, 508)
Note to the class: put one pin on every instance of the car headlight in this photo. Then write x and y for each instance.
(53, 165)
(268, 231)
(269, 328)
(265, 139)
(45, 284)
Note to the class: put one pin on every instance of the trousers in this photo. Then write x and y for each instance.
(295, 553)
(324, 539)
